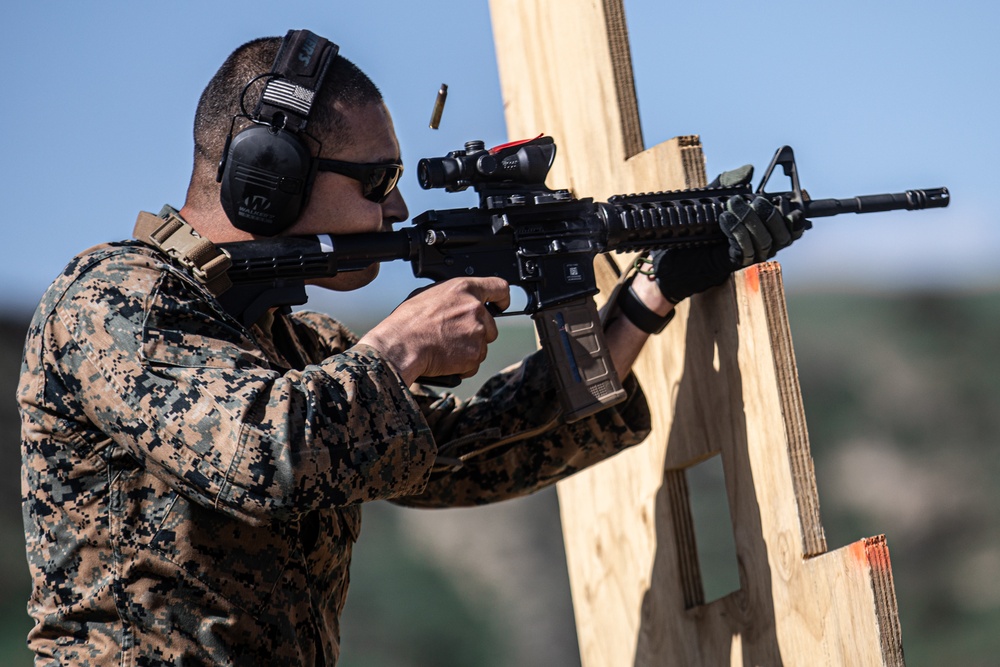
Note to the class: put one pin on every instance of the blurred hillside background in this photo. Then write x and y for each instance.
(895, 317)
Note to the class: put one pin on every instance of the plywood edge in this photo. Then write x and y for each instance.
(793, 412)
(675, 164)
(675, 482)
(884, 593)
(621, 59)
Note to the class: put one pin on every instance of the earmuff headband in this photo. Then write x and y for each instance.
(298, 70)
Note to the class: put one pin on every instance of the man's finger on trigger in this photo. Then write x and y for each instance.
(492, 290)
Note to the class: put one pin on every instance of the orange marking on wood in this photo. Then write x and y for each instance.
(871, 551)
(859, 552)
(753, 278)
(877, 553)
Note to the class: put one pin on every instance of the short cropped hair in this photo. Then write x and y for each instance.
(220, 102)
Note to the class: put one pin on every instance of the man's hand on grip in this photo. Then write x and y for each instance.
(441, 330)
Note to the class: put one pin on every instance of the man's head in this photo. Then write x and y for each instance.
(348, 120)
(345, 86)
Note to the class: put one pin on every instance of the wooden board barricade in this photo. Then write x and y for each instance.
(721, 380)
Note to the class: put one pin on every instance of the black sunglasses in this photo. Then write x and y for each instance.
(378, 179)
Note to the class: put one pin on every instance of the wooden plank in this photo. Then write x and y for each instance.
(793, 412)
(721, 380)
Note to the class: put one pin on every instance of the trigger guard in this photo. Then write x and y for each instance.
(530, 306)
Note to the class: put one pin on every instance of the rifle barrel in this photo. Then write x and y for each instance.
(911, 200)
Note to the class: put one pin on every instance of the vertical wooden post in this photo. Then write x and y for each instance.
(721, 381)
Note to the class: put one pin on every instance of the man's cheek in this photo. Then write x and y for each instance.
(350, 280)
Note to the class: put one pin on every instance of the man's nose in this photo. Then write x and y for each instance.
(394, 208)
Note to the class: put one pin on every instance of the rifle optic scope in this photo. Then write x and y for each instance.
(521, 163)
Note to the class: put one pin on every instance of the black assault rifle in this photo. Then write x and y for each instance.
(543, 241)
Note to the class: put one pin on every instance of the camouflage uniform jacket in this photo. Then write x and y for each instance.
(192, 488)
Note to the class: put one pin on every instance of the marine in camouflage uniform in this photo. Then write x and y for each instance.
(193, 488)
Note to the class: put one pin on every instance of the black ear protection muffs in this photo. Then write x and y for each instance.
(267, 170)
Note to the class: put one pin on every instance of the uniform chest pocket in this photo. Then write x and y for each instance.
(240, 562)
(178, 348)
(181, 329)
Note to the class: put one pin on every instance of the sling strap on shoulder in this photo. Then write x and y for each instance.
(168, 232)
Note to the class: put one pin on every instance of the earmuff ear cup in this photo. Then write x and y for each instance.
(266, 180)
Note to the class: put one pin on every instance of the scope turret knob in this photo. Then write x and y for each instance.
(486, 165)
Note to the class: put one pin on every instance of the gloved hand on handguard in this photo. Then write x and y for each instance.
(756, 231)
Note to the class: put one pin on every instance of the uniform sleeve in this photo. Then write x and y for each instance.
(185, 391)
(508, 439)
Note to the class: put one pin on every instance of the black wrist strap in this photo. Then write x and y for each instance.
(638, 314)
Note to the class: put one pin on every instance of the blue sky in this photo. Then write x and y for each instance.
(874, 96)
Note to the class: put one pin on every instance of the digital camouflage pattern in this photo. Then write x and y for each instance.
(192, 489)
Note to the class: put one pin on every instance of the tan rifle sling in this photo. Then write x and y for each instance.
(168, 232)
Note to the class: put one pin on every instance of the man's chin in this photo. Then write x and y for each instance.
(347, 281)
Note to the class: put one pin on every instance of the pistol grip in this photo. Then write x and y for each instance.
(573, 337)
